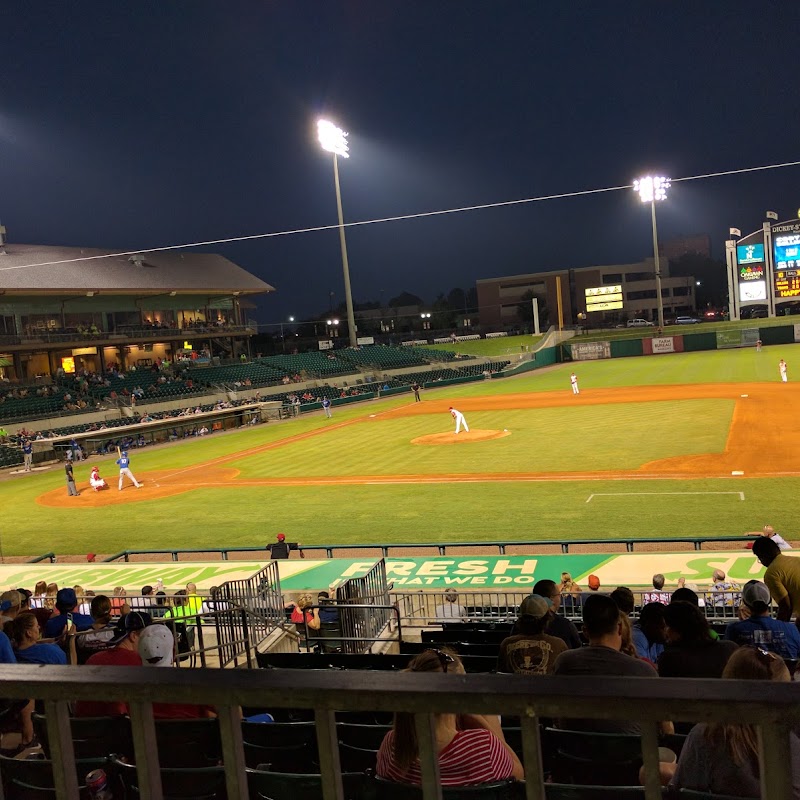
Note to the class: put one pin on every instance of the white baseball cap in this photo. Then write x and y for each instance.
(156, 646)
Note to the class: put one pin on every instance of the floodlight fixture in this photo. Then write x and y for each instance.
(333, 139)
(651, 188)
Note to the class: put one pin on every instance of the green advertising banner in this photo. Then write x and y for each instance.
(435, 573)
(732, 338)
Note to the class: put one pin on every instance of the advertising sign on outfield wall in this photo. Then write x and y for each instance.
(797, 332)
(662, 344)
(729, 339)
(589, 351)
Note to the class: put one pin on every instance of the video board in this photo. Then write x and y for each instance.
(604, 298)
(787, 265)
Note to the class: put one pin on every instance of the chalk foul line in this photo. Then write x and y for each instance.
(652, 494)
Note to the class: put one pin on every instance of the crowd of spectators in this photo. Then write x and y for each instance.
(71, 625)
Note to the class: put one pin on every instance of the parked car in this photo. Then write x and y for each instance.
(639, 323)
(686, 321)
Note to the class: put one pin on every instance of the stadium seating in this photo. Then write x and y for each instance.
(10, 456)
(198, 783)
(32, 779)
(286, 786)
(501, 790)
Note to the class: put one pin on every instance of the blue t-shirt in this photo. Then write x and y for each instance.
(55, 625)
(42, 654)
(123, 462)
(644, 647)
(6, 651)
(781, 638)
(27, 448)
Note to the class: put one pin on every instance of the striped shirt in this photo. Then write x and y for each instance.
(473, 756)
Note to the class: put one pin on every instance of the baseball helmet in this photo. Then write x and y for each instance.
(124, 452)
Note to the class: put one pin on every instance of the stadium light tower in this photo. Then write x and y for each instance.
(334, 140)
(649, 190)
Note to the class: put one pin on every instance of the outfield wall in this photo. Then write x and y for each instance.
(718, 339)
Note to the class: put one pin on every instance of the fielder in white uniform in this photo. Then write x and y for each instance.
(573, 379)
(459, 418)
(782, 370)
(123, 461)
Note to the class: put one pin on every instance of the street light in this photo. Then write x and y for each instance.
(334, 140)
(649, 190)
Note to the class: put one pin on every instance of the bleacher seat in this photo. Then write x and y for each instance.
(194, 783)
(32, 779)
(500, 790)
(288, 786)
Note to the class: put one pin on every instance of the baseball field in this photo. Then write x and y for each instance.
(670, 445)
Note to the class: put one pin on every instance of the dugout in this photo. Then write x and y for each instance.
(159, 431)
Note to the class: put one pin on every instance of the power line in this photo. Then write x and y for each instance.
(400, 218)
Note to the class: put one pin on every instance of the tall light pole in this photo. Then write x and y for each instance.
(283, 341)
(649, 190)
(334, 140)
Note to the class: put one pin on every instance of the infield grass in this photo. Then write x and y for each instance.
(568, 439)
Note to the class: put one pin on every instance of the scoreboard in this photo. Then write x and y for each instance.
(787, 283)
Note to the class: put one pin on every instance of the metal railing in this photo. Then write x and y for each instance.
(774, 708)
(253, 608)
(371, 606)
(420, 609)
(354, 631)
(385, 550)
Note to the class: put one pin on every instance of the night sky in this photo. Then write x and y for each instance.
(139, 124)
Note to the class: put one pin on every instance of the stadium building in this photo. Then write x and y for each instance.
(70, 309)
(599, 295)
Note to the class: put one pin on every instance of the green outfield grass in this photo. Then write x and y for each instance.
(568, 439)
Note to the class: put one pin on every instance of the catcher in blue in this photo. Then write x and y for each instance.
(122, 462)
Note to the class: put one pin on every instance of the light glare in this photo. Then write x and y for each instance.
(651, 188)
(333, 139)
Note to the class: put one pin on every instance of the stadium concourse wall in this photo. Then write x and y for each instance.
(418, 572)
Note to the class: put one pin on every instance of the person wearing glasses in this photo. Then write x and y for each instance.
(471, 748)
(723, 758)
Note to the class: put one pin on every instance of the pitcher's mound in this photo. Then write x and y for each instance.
(460, 438)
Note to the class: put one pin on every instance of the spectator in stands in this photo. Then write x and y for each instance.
(10, 605)
(83, 602)
(145, 602)
(570, 591)
(649, 632)
(472, 749)
(723, 758)
(529, 650)
(557, 625)
(302, 612)
(39, 593)
(281, 548)
(627, 636)
(759, 629)
(624, 599)
(782, 576)
(690, 651)
(119, 602)
(27, 647)
(156, 648)
(659, 595)
(724, 592)
(194, 602)
(328, 612)
(603, 628)
(770, 533)
(66, 605)
(450, 610)
(160, 608)
(99, 637)
(124, 654)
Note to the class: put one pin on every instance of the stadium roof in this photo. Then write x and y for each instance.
(149, 273)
